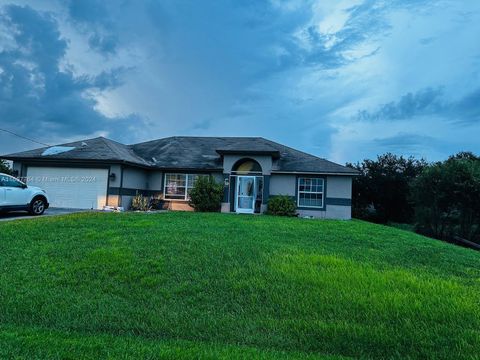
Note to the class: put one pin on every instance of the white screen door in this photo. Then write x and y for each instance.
(245, 199)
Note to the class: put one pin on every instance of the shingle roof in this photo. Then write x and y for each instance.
(97, 149)
(184, 152)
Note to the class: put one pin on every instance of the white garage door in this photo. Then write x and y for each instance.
(73, 188)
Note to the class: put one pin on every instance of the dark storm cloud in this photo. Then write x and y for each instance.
(425, 102)
(37, 96)
(429, 102)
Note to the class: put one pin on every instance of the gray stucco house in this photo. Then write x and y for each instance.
(96, 172)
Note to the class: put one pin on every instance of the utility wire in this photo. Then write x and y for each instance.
(23, 137)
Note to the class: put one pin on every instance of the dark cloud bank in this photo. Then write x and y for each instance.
(37, 93)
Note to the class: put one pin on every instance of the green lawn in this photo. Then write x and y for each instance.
(189, 285)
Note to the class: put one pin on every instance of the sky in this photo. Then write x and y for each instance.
(344, 80)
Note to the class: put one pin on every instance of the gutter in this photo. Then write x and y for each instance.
(153, 167)
(313, 173)
(82, 161)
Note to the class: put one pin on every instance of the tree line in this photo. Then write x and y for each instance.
(440, 199)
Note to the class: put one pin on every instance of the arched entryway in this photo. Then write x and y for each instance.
(248, 181)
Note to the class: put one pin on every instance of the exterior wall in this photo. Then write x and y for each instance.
(134, 178)
(128, 180)
(155, 181)
(283, 185)
(337, 212)
(225, 207)
(179, 206)
(115, 169)
(339, 187)
(338, 195)
(114, 199)
(17, 166)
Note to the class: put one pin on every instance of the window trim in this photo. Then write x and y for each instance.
(185, 197)
(322, 207)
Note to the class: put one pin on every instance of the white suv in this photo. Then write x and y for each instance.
(16, 196)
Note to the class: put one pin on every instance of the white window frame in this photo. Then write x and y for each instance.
(187, 176)
(310, 192)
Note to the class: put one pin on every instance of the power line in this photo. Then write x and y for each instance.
(23, 137)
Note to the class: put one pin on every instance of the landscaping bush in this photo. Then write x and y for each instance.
(157, 203)
(206, 194)
(281, 205)
(140, 203)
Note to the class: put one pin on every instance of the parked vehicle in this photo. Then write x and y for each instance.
(18, 196)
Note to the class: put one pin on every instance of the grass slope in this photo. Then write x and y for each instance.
(183, 285)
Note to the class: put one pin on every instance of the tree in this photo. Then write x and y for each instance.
(447, 198)
(382, 191)
(4, 168)
(206, 194)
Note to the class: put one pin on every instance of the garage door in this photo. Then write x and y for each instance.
(74, 188)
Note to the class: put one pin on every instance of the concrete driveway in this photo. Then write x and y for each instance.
(49, 212)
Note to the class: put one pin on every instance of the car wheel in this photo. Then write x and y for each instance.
(37, 206)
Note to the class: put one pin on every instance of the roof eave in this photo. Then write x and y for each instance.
(184, 169)
(337, 173)
(60, 160)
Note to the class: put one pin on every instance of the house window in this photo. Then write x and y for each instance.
(310, 192)
(178, 186)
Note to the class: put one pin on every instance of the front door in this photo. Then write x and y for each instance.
(245, 194)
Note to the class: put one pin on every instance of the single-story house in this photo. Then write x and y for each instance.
(92, 173)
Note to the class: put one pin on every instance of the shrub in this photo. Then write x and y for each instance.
(157, 203)
(206, 194)
(140, 203)
(282, 205)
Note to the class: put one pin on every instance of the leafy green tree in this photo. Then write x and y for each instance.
(4, 168)
(206, 194)
(382, 191)
(447, 198)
